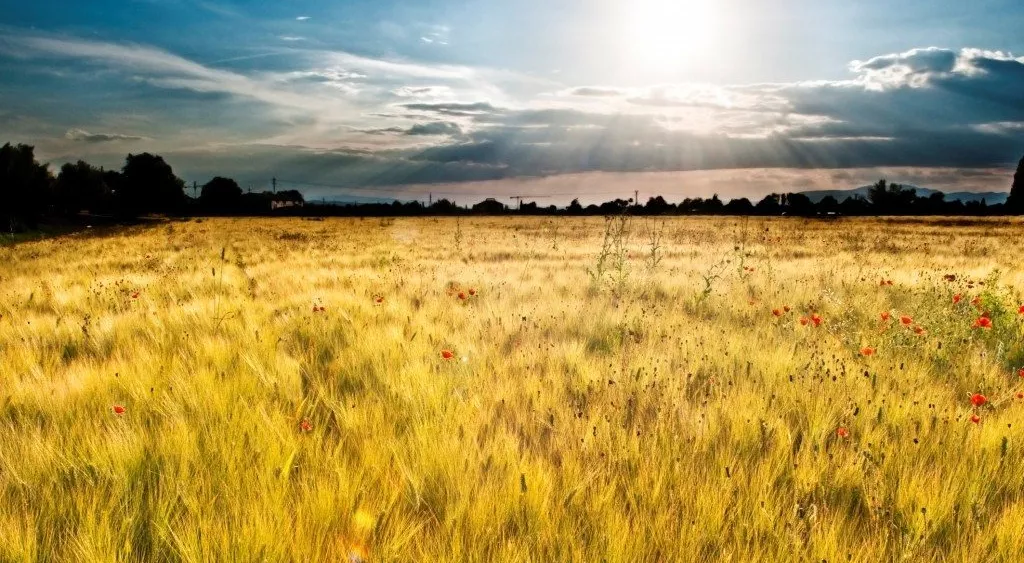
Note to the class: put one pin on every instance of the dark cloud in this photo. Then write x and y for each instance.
(87, 137)
(435, 128)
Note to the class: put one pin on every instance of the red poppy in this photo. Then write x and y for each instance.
(816, 320)
(978, 399)
(306, 425)
(982, 322)
(135, 295)
(118, 409)
(777, 312)
(918, 329)
(882, 283)
(867, 351)
(462, 295)
(447, 354)
(472, 291)
(975, 418)
(842, 432)
(1020, 395)
(379, 299)
(907, 321)
(787, 309)
(886, 316)
(1021, 310)
(322, 308)
(1020, 372)
(957, 298)
(315, 308)
(804, 321)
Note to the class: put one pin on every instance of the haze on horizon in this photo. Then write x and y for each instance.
(390, 98)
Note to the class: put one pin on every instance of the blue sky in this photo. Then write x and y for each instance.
(390, 98)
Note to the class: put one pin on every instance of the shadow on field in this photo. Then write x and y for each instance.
(84, 226)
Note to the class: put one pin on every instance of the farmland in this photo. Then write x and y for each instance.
(514, 389)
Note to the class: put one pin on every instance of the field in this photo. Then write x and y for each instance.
(686, 389)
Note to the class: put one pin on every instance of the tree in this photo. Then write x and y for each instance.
(221, 194)
(741, 206)
(149, 186)
(799, 204)
(769, 205)
(80, 186)
(25, 187)
(575, 208)
(1015, 203)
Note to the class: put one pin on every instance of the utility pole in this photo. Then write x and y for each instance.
(273, 182)
(430, 200)
(636, 198)
(195, 188)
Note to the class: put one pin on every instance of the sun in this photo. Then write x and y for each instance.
(669, 34)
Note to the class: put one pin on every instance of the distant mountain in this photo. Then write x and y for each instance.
(990, 198)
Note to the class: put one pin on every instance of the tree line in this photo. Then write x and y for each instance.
(146, 184)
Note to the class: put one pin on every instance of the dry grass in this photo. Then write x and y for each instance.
(593, 410)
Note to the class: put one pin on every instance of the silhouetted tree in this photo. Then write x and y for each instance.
(769, 205)
(741, 206)
(1015, 203)
(148, 185)
(799, 204)
(828, 204)
(221, 195)
(574, 207)
(891, 199)
(25, 187)
(79, 187)
(657, 206)
(854, 205)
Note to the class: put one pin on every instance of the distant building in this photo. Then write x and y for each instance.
(489, 205)
(285, 199)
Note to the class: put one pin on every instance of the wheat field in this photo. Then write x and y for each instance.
(514, 389)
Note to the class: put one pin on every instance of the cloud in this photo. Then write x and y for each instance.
(301, 18)
(409, 121)
(87, 137)
(596, 92)
(435, 128)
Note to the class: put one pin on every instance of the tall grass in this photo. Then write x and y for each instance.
(655, 418)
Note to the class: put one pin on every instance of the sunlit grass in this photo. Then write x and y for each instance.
(629, 416)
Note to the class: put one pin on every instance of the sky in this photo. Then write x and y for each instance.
(351, 99)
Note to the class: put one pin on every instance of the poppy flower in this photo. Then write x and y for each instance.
(447, 354)
(135, 295)
(322, 308)
(886, 316)
(957, 298)
(316, 309)
(462, 295)
(816, 320)
(975, 418)
(842, 432)
(379, 299)
(306, 425)
(907, 321)
(804, 321)
(787, 309)
(867, 351)
(978, 399)
(118, 409)
(982, 322)
(882, 283)
(777, 312)
(1020, 395)
(472, 291)
(1020, 372)
(949, 277)
(919, 329)
(1021, 310)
